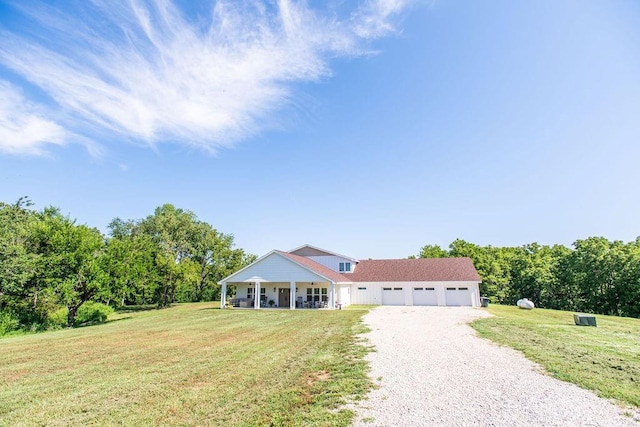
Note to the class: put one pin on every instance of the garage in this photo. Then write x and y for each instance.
(393, 296)
(424, 296)
(458, 296)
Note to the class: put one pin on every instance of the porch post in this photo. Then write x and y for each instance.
(332, 295)
(223, 295)
(256, 296)
(292, 292)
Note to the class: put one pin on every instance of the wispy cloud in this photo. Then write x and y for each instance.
(23, 126)
(145, 71)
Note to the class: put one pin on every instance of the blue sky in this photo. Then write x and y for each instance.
(369, 128)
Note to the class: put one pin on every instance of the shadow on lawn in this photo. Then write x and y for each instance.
(99, 322)
(136, 308)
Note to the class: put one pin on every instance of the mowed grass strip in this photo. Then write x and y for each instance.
(605, 358)
(191, 364)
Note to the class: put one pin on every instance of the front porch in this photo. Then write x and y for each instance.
(291, 295)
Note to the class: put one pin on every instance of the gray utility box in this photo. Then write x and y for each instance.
(585, 319)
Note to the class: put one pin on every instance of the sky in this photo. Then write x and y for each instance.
(368, 128)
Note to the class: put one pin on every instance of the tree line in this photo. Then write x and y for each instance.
(595, 275)
(55, 272)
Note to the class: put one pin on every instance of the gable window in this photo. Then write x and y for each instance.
(344, 266)
(341, 266)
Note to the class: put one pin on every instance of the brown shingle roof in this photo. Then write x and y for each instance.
(414, 270)
(316, 267)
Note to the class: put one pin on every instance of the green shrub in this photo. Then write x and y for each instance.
(93, 312)
(8, 322)
(58, 319)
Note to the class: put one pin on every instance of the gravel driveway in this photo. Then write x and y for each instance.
(433, 370)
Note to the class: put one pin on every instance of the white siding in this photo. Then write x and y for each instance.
(366, 293)
(343, 295)
(277, 268)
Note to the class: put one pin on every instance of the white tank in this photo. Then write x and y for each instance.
(525, 304)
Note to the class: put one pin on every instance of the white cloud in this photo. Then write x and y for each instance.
(373, 20)
(142, 70)
(23, 128)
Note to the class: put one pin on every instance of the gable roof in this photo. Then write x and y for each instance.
(308, 250)
(316, 267)
(386, 270)
(415, 270)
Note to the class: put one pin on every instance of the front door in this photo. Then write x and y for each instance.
(283, 297)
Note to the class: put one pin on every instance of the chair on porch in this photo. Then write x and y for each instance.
(299, 303)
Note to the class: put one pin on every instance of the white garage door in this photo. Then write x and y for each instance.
(458, 296)
(392, 296)
(425, 296)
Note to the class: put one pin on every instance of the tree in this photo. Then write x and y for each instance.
(493, 265)
(533, 274)
(216, 259)
(70, 259)
(129, 262)
(190, 255)
(19, 292)
(433, 251)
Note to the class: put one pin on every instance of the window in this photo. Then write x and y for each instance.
(263, 292)
(417, 289)
(397, 289)
(347, 266)
(341, 268)
(386, 289)
(317, 294)
(463, 289)
(362, 289)
(451, 289)
(429, 289)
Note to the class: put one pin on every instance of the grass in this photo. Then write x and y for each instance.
(605, 359)
(191, 364)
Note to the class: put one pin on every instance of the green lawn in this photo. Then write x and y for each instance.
(605, 359)
(191, 364)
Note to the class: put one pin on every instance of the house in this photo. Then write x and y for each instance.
(310, 277)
